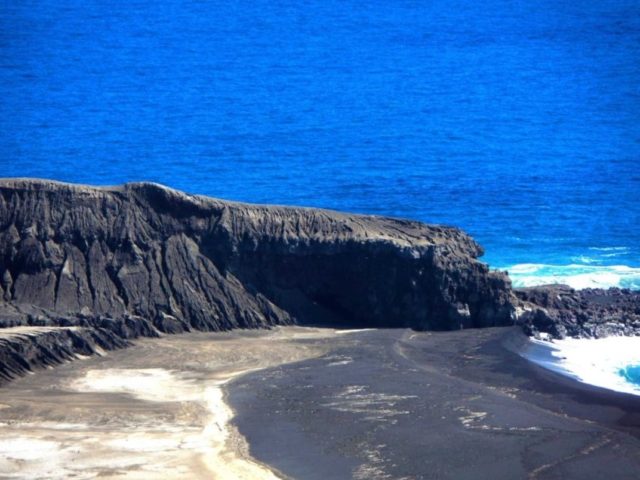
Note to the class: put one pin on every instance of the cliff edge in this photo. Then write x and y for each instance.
(184, 262)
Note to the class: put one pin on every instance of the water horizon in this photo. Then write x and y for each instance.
(519, 123)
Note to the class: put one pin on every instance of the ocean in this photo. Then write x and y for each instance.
(518, 121)
(612, 363)
(631, 373)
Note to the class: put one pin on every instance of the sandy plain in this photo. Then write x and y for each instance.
(156, 410)
(310, 403)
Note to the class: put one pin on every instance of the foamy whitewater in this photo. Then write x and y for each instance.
(577, 276)
(602, 362)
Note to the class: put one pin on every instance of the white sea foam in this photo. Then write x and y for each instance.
(586, 260)
(576, 275)
(592, 361)
(609, 249)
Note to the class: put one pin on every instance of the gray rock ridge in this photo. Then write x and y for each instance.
(88, 269)
(560, 311)
(22, 349)
(186, 262)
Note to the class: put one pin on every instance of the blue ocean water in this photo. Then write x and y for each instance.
(516, 120)
(631, 374)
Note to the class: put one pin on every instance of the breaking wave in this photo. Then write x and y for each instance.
(612, 363)
(577, 276)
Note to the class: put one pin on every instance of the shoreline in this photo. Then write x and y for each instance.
(222, 449)
(591, 362)
(405, 404)
(231, 455)
(310, 403)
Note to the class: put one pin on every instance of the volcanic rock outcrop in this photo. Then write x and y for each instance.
(141, 259)
(86, 269)
(23, 348)
(189, 262)
(561, 311)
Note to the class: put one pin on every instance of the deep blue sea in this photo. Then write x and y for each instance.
(517, 120)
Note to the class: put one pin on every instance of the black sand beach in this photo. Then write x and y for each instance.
(86, 271)
(315, 403)
(401, 404)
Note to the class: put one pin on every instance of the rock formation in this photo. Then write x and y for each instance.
(109, 264)
(141, 259)
(561, 311)
(23, 348)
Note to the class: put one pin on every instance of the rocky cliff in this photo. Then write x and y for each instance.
(141, 258)
(86, 269)
(561, 311)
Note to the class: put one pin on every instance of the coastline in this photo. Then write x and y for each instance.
(183, 263)
(318, 241)
(594, 362)
(312, 403)
(222, 449)
(404, 404)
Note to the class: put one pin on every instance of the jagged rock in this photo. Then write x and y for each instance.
(22, 349)
(193, 263)
(561, 311)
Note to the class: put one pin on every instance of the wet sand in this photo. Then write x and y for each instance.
(156, 410)
(397, 404)
(315, 404)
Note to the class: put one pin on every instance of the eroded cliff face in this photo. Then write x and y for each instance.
(143, 258)
(189, 262)
(24, 348)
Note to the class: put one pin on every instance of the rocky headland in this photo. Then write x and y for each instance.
(94, 267)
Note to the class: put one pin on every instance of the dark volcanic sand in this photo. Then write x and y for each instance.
(401, 404)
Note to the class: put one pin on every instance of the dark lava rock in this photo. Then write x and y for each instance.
(121, 262)
(194, 263)
(38, 347)
(560, 311)
(141, 259)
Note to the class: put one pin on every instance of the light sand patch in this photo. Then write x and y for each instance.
(28, 457)
(155, 411)
(379, 407)
(337, 360)
(150, 384)
(354, 330)
(373, 468)
(470, 419)
(217, 443)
